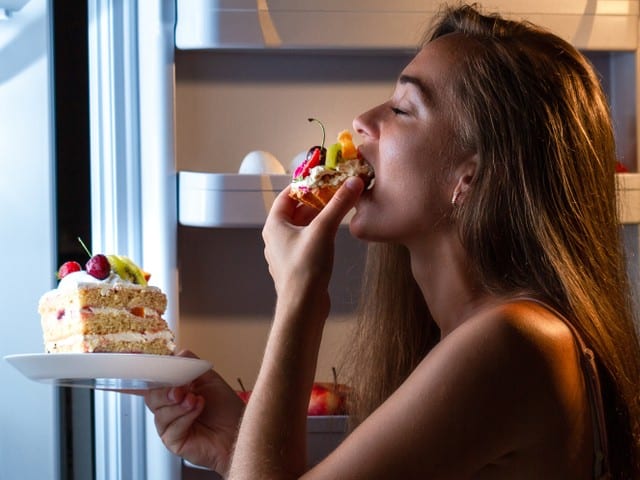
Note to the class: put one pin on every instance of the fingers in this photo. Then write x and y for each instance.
(162, 397)
(175, 409)
(186, 353)
(343, 201)
(283, 205)
(173, 422)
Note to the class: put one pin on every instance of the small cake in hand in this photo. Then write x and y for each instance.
(107, 307)
(318, 178)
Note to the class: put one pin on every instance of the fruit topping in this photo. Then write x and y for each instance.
(68, 267)
(349, 150)
(101, 266)
(126, 269)
(98, 266)
(343, 149)
(323, 133)
(315, 156)
(334, 155)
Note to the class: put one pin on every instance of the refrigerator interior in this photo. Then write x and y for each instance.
(229, 103)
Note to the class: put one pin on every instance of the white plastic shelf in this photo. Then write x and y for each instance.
(357, 24)
(629, 188)
(232, 200)
(227, 200)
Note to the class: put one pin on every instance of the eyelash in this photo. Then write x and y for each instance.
(397, 111)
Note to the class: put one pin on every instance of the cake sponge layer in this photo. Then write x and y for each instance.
(106, 318)
(117, 296)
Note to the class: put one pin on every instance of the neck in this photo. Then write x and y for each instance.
(443, 272)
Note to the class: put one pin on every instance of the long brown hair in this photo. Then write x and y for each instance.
(541, 217)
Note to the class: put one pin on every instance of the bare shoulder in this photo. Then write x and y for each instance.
(518, 339)
(524, 343)
(501, 393)
(514, 325)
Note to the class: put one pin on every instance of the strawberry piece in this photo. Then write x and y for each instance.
(68, 267)
(98, 266)
(312, 162)
(298, 171)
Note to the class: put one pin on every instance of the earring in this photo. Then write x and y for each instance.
(454, 199)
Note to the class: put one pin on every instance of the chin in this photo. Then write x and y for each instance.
(363, 226)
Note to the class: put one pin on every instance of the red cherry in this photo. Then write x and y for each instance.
(98, 266)
(68, 267)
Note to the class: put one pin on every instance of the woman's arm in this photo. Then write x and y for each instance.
(299, 250)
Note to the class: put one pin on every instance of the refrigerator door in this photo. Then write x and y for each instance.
(28, 447)
(133, 195)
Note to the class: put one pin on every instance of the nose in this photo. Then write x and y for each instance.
(364, 124)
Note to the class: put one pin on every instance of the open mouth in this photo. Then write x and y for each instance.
(370, 177)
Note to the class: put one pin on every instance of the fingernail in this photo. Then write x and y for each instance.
(171, 394)
(353, 183)
(176, 394)
(189, 401)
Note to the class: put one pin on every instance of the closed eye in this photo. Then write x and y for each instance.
(397, 111)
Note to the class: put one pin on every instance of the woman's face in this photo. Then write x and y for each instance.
(410, 142)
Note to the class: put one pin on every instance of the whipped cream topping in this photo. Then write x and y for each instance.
(321, 176)
(75, 279)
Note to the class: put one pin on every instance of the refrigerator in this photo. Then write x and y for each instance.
(179, 93)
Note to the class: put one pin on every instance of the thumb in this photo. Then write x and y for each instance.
(186, 353)
(343, 201)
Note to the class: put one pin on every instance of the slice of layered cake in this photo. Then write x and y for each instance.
(108, 307)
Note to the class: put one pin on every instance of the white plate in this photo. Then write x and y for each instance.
(109, 371)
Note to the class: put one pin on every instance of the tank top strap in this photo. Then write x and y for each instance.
(601, 469)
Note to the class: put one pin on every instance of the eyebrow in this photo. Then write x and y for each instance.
(424, 89)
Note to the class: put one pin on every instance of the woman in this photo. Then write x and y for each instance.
(495, 256)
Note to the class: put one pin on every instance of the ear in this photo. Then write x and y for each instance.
(463, 177)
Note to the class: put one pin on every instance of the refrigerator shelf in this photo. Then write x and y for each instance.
(227, 200)
(224, 200)
(629, 188)
(356, 24)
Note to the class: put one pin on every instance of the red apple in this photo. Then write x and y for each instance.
(327, 399)
(244, 394)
